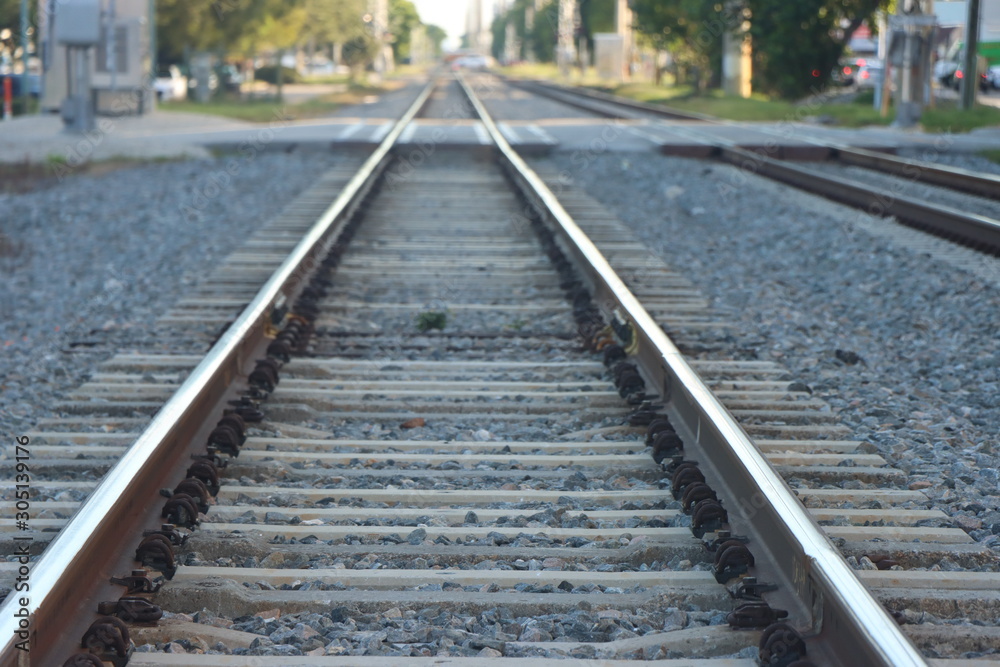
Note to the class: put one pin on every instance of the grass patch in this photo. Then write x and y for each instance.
(947, 117)
(253, 110)
(755, 108)
(431, 319)
(991, 155)
(327, 79)
(21, 177)
(549, 72)
(406, 72)
(857, 113)
(268, 109)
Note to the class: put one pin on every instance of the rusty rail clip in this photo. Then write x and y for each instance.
(108, 638)
(750, 589)
(207, 472)
(782, 646)
(756, 614)
(212, 456)
(137, 582)
(708, 515)
(247, 408)
(182, 510)
(83, 660)
(686, 474)
(169, 531)
(731, 560)
(132, 610)
(721, 538)
(157, 552)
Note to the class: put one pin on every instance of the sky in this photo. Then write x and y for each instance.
(449, 14)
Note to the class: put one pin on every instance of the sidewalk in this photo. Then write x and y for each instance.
(173, 134)
(42, 139)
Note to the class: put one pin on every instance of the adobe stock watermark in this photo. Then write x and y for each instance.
(218, 181)
(81, 150)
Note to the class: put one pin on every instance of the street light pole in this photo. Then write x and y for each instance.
(971, 79)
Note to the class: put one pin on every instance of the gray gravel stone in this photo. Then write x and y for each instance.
(803, 280)
(92, 261)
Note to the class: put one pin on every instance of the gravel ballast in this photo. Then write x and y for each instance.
(90, 262)
(805, 281)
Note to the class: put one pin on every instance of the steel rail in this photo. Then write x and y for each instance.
(971, 227)
(63, 582)
(925, 215)
(570, 95)
(984, 185)
(828, 601)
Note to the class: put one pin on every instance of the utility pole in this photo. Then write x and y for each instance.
(970, 82)
(25, 93)
(623, 27)
(566, 53)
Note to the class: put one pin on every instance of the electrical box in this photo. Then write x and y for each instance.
(78, 22)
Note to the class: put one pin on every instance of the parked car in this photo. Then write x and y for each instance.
(846, 72)
(993, 76)
(944, 71)
(170, 84)
(471, 62)
(230, 77)
(213, 84)
(869, 74)
(956, 81)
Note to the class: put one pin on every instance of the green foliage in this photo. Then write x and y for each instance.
(333, 21)
(10, 16)
(949, 118)
(359, 52)
(403, 18)
(991, 155)
(792, 41)
(232, 27)
(545, 34)
(436, 34)
(431, 320)
(595, 16)
(795, 51)
(499, 30)
(798, 44)
(269, 74)
(691, 30)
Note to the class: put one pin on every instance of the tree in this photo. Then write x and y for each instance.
(691, 30)
(797, 45)
(333, 21)
(436, 34)
(545, 33)
(280, 29)
(186, 25)
(358, 53)
(403, 18)
(233, 27)
(595, 16)
(10, 16)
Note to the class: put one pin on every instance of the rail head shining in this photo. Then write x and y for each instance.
(110, 499)
(840, 604)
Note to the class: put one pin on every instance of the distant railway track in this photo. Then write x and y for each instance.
(419, 386)
(972, 229)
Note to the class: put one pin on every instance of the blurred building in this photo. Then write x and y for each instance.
(478, 25)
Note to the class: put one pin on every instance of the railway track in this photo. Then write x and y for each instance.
(975, 225)
(445, 466)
